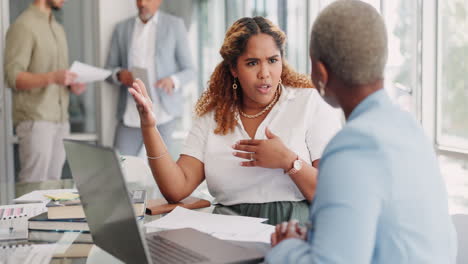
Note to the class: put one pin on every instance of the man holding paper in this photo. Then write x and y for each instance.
(153, 47)
(36, 62)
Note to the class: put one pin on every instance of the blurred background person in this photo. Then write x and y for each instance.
(157, 42)
(36, 62)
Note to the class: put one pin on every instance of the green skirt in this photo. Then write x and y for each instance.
(275, 212)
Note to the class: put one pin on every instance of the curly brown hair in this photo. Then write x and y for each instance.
(220, 96)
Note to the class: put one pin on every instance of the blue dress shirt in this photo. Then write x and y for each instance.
(380, 197)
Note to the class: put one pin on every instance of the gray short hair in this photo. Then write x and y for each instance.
(350, 38)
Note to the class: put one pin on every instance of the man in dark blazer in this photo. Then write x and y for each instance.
(157, 42)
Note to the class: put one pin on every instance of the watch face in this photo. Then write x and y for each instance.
(297, 164)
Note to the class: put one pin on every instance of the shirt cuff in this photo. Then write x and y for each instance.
(114, 75)
(285, 251)
(176, 82)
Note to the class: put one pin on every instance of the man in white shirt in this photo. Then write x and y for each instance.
(157, 42)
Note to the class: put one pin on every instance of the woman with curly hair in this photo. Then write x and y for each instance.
(257, 137)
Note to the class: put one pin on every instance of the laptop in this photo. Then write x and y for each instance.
(113, 225)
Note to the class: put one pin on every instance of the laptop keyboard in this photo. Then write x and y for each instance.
(165, 251)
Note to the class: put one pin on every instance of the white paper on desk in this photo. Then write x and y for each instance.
(28, 254)
(230, 227)
(262, 233)
(87, 73)
(14, 219)
(38, 196)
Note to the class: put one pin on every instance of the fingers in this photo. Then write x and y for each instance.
(253, 142)
(246, 148)
(245, 155)
(292, 226)
(283, 227)
(69, 77)
(139, 98)
(273, 239)
(301, 230)
(140, 86)
(252, 163)
(166, 85)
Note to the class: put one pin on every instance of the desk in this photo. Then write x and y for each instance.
(99, 256)
(96, 254)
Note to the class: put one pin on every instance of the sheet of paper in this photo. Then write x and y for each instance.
(229, 227)
(38, 196)
(87, 73)
(27, 254)
(14, 219)
(63, 196)
(259, 233)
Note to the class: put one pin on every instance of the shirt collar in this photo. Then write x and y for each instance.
(287, 94)
(153, 19)
(378, 97)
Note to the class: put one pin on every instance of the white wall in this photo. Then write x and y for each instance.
(110, 13)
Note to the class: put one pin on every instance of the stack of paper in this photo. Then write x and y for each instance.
(229, 227)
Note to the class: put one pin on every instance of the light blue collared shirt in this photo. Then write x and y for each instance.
(380, 196)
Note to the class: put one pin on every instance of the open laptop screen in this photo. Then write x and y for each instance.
(99, 178)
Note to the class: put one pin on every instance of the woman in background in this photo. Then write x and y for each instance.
(257, 137)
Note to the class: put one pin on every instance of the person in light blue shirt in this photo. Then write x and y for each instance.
(380, 195)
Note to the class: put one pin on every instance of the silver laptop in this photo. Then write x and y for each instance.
(100, 181)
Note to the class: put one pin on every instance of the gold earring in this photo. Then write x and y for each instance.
(234, 89)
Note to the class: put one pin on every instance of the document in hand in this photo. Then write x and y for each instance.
(229, 227)
(87, 73)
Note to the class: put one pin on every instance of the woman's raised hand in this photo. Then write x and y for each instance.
(144, 103)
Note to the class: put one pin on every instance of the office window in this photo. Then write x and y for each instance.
(374, 3)
(297, 30)
(452, 97)
(211, 30)
(402, 73)
(452, 125)
(455, 174)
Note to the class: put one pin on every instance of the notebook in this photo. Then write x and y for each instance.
(72, 209)
(42, 222)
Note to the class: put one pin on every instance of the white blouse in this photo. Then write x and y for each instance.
(303, 121)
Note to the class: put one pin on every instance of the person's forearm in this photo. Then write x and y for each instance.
(168, 175)
(28, 81)
(306, 180)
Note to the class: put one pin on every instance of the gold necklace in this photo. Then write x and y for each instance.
(264, 110)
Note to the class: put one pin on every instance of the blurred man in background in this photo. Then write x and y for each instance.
(36, 63)
(157, 42)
